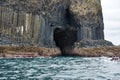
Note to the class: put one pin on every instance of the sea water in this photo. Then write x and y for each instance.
(59, 68)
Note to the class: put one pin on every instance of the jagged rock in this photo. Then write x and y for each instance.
(93, 43)
(52, 23)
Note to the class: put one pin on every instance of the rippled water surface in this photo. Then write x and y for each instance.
(59, 68)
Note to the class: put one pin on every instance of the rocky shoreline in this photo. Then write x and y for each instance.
(26, 52)
(31, 52)
(110, 51)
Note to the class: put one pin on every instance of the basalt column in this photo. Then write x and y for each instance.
(52, 23)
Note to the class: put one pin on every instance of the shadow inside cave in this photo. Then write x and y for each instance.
(65, 39)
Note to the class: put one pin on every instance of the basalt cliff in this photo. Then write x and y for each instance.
(52, 23)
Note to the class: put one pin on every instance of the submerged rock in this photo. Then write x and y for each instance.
(52, 23)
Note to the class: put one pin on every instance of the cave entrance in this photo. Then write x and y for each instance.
(64, 39)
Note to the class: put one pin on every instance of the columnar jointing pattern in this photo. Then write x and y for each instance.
(51, 23)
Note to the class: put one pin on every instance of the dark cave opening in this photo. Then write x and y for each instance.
(65, 39)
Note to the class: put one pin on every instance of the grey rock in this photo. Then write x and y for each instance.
(52, 23)
(93, 43)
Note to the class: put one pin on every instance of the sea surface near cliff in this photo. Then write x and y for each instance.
(59, 68)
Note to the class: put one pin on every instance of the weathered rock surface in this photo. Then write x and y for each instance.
(92, 43)
(27, 51)
(51, 23)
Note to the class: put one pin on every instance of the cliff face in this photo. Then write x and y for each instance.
(51, 23)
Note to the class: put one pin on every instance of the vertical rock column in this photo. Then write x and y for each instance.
(88, 16)
(19, 26)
